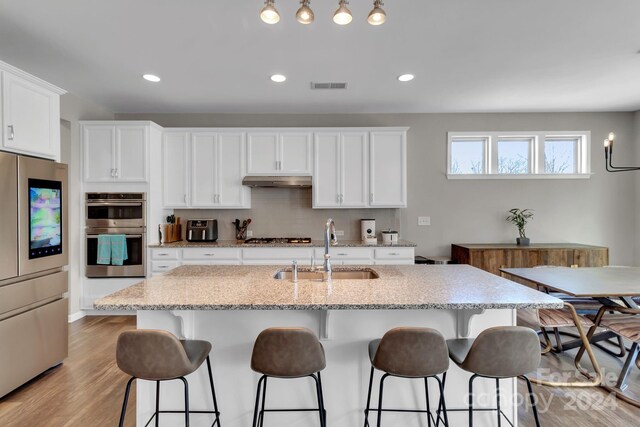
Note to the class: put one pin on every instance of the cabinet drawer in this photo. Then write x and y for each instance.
(211, 254)
(339, 253)
(165, 254)
(286, 254)
(162, 266)
(394, 253)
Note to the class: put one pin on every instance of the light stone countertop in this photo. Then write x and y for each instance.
(313, 244)
(254, 288)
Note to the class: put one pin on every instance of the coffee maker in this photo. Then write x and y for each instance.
(368, 231)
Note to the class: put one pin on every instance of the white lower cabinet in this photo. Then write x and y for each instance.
(277, 256)
(163, 260)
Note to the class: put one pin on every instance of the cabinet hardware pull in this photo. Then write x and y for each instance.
(162, 254)
(11, 133)
(163, 266)
(371, 198)
(337, 198)
(342, 254)
(209, 254)
(341, 198)
(394, 253)
(185, 198)
(116, 172)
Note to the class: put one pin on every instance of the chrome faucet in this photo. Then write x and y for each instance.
(329, 238)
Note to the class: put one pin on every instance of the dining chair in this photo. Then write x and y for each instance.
(624, 323)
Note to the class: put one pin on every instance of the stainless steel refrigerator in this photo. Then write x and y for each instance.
(33, 256)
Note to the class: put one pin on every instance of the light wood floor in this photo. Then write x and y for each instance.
(87, 389)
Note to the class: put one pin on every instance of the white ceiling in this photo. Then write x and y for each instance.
(217, 56)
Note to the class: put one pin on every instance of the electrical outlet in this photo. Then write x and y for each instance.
(339, 232)
(249, 233)
(424, 220)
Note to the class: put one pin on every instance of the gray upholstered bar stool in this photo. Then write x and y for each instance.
(160, 356)
(287, 353)
(499, 352)
(409, 353)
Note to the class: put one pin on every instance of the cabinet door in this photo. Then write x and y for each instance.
(295, 153)
(354, 162)
(388, 169)
(175, 164)
(31, 118)
(131, 153)
(99, 148)
(204, 159)
(263, 158)
(326, 178)
(230, 171)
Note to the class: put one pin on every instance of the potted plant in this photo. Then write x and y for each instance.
(519, 218)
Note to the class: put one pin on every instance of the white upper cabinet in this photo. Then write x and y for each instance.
(175, 167)
(115, 152)
(231, 169)
(326, 178)
(30, 115)
(279, 153)
(388, 169)
(218, 164)
(341, 164)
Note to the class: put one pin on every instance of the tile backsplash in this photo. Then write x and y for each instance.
(287, 212)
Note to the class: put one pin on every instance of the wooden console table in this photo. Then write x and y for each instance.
(492, 257)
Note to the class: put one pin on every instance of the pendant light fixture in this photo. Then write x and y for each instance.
(343, 14)
(377, 16)
(304, 15)
(269, 14)
(608, 157)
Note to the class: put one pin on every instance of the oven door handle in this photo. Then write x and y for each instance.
(115, 204)
(128, 236)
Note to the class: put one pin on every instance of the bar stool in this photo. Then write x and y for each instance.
(155, 355)
(409, 353)
(499, 352)
(287, 353)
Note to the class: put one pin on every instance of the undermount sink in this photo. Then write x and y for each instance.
(335, 275)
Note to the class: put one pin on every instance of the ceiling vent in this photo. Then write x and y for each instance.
(328, 85)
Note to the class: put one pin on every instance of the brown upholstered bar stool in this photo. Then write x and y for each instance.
(160, 356)
(287, 353)
(409, 353)
(499, 352)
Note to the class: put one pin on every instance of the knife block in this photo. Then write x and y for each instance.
(172, 233)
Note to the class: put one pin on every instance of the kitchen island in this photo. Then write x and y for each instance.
(230, 305)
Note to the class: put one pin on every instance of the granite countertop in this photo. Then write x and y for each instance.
(313, 244)
(398, 287)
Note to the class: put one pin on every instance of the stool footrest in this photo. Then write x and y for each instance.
(155, 414)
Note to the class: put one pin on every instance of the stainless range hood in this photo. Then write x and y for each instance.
(277, 181)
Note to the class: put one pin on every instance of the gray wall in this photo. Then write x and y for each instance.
(600, 210)
(72, 110)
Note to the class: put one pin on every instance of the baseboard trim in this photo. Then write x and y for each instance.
(76, 316)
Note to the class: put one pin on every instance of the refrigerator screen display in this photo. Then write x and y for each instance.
(45, 218)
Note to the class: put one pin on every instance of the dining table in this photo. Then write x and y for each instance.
(614, 286)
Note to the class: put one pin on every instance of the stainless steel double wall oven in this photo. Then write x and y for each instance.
(33, 281)
(116, 213)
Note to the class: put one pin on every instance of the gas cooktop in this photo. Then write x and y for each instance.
(271, 240)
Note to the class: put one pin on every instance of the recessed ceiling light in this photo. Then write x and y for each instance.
(278, 78)
(406, 77)
(151, 78)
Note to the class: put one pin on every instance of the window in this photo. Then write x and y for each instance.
(518, 155)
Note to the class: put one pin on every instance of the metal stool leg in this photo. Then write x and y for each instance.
(473, 377)
(255, 410)
(380, 399)
(186, 401)
(213, 393)
(126, 400)
(426, 390)
(157, 403)
(264, 397)
(533, 400)
(366, 411)
(322, 408)
(442, 403)
(319, 397)
(498, 401)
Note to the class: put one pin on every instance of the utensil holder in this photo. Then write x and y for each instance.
(241, 234)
